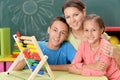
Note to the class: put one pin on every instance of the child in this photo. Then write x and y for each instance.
(59, 52)
(90, 59)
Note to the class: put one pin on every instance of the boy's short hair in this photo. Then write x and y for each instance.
(59, 19)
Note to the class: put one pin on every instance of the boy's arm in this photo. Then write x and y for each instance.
(60, 67)
(20, 65)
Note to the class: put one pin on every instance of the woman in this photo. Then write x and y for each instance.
(74, 12)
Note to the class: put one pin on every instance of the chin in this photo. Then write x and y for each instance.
(90, 41)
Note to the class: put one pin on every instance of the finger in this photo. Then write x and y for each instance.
(107, 52)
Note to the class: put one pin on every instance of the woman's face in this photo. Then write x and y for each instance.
(74, 17)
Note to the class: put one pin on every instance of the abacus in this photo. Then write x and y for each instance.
(33, 55)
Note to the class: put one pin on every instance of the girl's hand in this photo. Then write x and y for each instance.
(74, 70)
(96, 66)
(99, 66)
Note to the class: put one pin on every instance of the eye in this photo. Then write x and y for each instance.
(62, 32)
(55, 30)
(94, 30)
(66, 17)
(75, 14)
(85, 30)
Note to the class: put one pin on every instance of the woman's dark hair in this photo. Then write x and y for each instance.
(73, 3)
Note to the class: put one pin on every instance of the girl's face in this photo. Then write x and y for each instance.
(74, 17)
(92, 31)
(58, 32)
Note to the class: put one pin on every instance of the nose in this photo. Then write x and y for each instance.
(72, 20)
(90, 33)
(58, 34)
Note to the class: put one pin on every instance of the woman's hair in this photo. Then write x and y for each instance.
(96, 18)
(59, 19)
(73, 3)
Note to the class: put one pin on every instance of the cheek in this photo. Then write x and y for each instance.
(68, 21)
(80, 18)
(85, 34)
(98, 35)
(63, 38)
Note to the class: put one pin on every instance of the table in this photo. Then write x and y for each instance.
(59, 75)
(5, 63)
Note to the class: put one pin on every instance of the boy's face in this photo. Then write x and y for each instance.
(58, 32)
(92, 31)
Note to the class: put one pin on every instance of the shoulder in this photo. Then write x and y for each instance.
(71, 37)
(66, 43)
(104, 41)
(84, 44)
(41, 43)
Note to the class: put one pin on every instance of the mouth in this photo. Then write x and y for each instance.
(74, 24)
(90, 38)
(55, 40)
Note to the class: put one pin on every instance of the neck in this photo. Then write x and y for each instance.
(50, 46)
(95, 46)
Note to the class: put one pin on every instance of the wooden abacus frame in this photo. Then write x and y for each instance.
(31, 40)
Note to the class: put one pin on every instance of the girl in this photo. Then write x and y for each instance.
(90, 59)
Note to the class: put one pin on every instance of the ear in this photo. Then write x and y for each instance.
(84, 12)
(102, 30)
(48, 30)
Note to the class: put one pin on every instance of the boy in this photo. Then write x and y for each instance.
(59, 52)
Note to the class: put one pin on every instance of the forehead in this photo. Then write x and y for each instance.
(60, 25)
(71, 10)
(90, 24)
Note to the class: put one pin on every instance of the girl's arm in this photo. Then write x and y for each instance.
(96, 69)
(99, 65)
(73, 69)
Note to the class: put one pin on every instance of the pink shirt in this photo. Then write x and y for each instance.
(85, 55)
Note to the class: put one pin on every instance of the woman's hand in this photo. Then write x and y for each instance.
(113, 52)
(110, 50)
